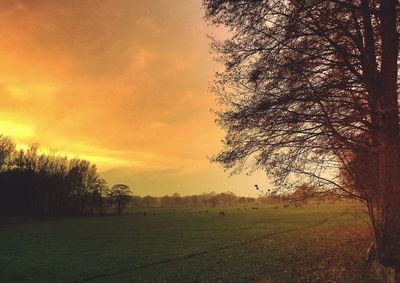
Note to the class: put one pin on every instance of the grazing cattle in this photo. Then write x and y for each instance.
(222, 213)
(285, 205)
(254, 207)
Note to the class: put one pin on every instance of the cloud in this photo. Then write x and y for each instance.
(121, 83)
(16, 130)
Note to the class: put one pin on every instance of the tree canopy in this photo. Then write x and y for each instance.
(34, 184)
(298, 81)
(120, 194)
(309, 89)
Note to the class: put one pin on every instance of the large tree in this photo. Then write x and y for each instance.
(309, 88)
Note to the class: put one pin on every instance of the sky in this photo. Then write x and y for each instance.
(123, 84)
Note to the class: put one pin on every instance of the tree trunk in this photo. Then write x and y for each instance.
(387, 236)
(387, 199)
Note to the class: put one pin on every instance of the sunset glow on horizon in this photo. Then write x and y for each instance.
(123, 84)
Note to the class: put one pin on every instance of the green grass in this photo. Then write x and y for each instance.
(306, 244)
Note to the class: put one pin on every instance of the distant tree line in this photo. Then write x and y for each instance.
(203, 200)
(38, 184)
(224, 199)
(34, 184)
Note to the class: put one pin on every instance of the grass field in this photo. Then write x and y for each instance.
(308, 244)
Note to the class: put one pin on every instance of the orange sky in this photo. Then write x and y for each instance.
(121, 83)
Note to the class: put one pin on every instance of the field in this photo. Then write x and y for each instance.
(307, 244)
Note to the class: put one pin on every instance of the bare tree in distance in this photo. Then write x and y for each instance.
(121, 194)
(7, 148)
(102, 191)
(36, 184)
(309, 88)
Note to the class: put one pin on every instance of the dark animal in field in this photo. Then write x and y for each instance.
(298, 204)
(206, 211)
(145, 213)
(238, 208)
(222, 213)
(286, 205)
(276, 207)
(254, 207)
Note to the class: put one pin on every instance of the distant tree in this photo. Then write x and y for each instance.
(120, 194)
(149, 201)
(100, 191)
(91, 184)
(137, 201)
(76, 186)
(242, 200)
(7, 149)
(39, 184)
(308, 87)
(177, 199)
(194, 200)
(166, 201)
(213, 201)
(28, 160)
(226, 198)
